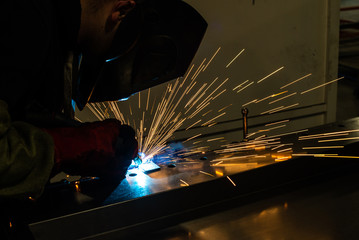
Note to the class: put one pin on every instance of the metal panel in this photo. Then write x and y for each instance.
(139, 206)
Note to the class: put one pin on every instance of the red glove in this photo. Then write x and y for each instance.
(103, 149)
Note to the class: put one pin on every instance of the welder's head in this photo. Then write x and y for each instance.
(100, 20)
(153, 44)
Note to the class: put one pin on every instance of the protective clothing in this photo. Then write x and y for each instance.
(104, 149)
(26, 158)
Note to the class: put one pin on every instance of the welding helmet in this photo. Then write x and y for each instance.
(155, 43)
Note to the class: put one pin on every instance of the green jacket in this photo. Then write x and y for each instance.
(26, 157)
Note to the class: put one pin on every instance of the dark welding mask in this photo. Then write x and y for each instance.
(155, 43)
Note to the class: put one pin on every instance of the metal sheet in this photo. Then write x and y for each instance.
(193, 188)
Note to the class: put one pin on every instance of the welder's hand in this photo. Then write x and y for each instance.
(103, 149)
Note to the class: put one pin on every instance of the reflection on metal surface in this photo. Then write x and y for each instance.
(281, 157)
(140, 180)
(219, 173)
(268, 212)
(303, 213)
(77, 186)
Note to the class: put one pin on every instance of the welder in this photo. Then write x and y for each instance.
(60, 52)
(37, 54)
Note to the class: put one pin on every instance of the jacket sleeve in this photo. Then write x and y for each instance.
(26, 157)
